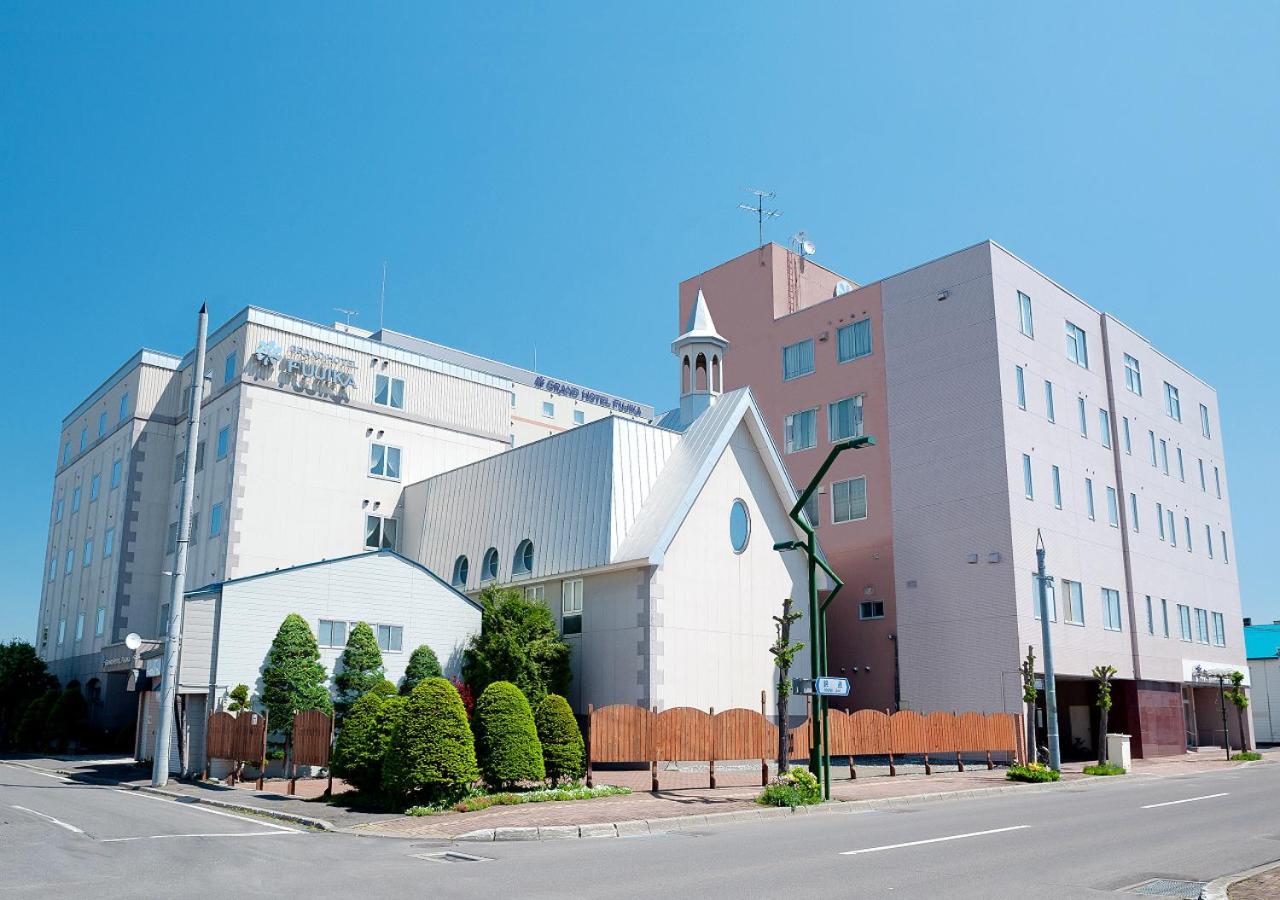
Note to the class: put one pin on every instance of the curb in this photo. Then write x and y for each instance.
(292, 818)
(1217, 889)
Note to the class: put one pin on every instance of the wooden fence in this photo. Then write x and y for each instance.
(632, 734)
(238, 739)
(310, 743)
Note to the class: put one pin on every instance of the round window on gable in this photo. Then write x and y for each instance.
(523, 562)
(489, 571)
(739, 526)
(461, 569)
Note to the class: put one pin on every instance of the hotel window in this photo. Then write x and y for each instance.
(1132, 374)
(384, 461)
(331, 633)
(186, 401)
(1202, 626)
(1026, 323)
(1225, 557)
(75, 499)
(70, 561)
(801, 430)
(1164, 616)
(193, 533)
(1187, 521)
(380, 533)
(797, 359)
(811, 510)
(1077, 345)
(1203, 486)
(84, 438)
(1075, 601)
(1164, 456)
(1219, 631)
(852, 341)
(230, 368)
(871, 609)
(124, 406)
(1084, 417)
(1172, 405)
(489, 568)
(108, 542)
(80, 627)
(1182, 469)
(1020, 380)
(1217, 482)
(57, 510)
(95, 487)
(1128, 440)
(548, 409)
(179, 466)
(1208, 539)
(1051, 597)
(66, 453)
(215, 522)
(1057, 488)
(849, 500)
(390, 638)
(53, 565)
(1152, 436)
(1204, 421)
(844, 418)
(116, 467)
(388, 391)
(1104, 426)
(1151, 616)
(579, 417)
(1088, 499)
(1111, 609)
(1048, 401)
(102, 423)
(62, 631)
(224, 441)
(1028, 488)
(200, 457)
(1160, 520)
(536, 593)
(1173, 530)
(88, 552)
(571, 606)
(461, 569)
(1133, 512)
(100, 621)
(1113, 508)
(522, 563)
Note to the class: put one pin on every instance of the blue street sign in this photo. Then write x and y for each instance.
(830, 686)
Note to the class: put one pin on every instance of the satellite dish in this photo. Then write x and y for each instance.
(843, 287)
(133, 641)
(808, 248)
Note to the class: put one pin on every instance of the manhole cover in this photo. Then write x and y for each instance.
(1168, 887)
(451, 856)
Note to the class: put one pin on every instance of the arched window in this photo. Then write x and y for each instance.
(523, 562)
(94, 690)
(700, 372)
(461, 569)
(684, 376)
(489, 571)
(717, 384)
(739, 526)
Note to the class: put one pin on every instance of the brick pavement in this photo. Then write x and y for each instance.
(1260, 887)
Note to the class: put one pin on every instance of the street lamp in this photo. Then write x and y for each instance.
(819, 751)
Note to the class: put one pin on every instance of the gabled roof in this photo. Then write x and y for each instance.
(1262, 641)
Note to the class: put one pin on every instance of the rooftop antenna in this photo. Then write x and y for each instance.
(348, 313)
(761, 213)
(382, 298)
(804, 246)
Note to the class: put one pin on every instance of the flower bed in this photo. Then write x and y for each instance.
(480, 800)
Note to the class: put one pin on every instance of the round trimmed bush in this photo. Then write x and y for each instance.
(563, 752)
(362, 742)
(506, 737)
(422, 664)
(385, 688)
(431, 755)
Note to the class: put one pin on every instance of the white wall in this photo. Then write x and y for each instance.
(1265, 699)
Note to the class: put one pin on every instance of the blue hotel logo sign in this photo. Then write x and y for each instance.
(320, 367)
(576, 393)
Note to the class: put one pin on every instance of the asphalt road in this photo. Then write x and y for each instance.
(1085, 839)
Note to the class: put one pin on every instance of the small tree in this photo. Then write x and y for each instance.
(293, 678)
(359, 667)
(67, 718)
(518, 642)
(507, 745)
(423, 664)
(238, 699)
(1236, 694)
(563, 752)
(361, 747)
(1103, 674)
(784, 653)
(1029, 694)
(432, 753)
(31, 727)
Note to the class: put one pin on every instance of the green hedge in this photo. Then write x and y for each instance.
(363, 740)
(563, 752)
(431, 754)
(507, 744)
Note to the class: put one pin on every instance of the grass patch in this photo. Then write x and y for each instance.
(1247, 756)
(480, 800)
(1107, 769)
(1034, 773)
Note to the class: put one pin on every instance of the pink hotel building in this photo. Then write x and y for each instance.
(1002, 405)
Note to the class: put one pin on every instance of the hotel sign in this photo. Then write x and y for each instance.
(315, 366)
(576, 393)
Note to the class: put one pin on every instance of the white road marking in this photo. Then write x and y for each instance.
(52, 775)
(213, 812)
(951, 837)
(1188, 800)
(217, 834)
(58, 822)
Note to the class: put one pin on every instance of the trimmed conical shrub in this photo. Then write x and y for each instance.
(432, 753)
(363, 740)
(293, 678)
(506, 737)
(563, 752)
(359, 667)
(423, 664)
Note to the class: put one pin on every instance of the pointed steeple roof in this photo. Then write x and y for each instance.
(700, 327)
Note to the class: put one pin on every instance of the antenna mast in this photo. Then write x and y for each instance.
(760, 211)
(348, 313)
(382, 298)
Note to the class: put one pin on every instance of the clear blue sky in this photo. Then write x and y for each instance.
(546, 176)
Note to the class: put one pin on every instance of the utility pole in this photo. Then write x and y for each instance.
(760, 211)
(173, 632)
(1222, 701)
(1050, 688)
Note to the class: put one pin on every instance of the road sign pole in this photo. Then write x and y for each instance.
(1050, 688)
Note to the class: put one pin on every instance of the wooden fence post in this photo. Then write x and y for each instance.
(712, 762)
(328, 792)
(590, 713)
(262, 763)
(764, 761)
(959, 762)
(888, 726)
(653, 763)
